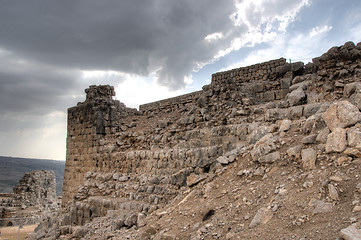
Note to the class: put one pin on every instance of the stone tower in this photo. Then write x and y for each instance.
(88, 125)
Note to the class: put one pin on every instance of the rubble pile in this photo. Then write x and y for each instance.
(33, 199)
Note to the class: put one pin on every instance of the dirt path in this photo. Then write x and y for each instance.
(13, 233)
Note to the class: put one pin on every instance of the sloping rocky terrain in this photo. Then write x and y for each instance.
(266, 152)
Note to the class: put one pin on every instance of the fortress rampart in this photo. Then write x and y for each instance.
(118, 156)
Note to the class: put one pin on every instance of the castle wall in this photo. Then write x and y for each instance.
(258, 72)
(177, 136)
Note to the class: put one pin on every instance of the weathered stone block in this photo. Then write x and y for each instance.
(355, 99)
(336, 141)
(309, 156)
(270, 158)
(265, 145)
(277, 114)
(294, 151)
(269, 96)
(281, 94)
(258, 87)
(285, 83)
(310, 109)
(341, 114)
(354, 137)
(294, 112)
(296, 97)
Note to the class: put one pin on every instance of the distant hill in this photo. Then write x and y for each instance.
(13, 169)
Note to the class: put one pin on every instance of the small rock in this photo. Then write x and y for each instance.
(282, 191)
(320, 206)
(336, 179)
(131, 220)
(141, 222)
(309, 139)
(247, 216)
(262, 216)
(194, 179)
(230, 235)
(355, 99)
(333, 192)
(270, 158)
(307, 184)
(296, 97)
(343, 159)
(123, 179)
(208, 215)
(148, 233)
(353, 152)
(285, 125)
(244, 172)
(294, 151)
(265, 145)
(309, 156)
(354, 137)
(356, 209)
(322, 135)
(222, 160)
(259, 172)
(350, 233)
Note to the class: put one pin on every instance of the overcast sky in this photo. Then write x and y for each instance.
(51, 50)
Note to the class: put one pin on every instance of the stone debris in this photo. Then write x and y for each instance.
(262, 216)
(320, 206)
(33, 199)
(351, 233)
(333, 192)
(309, 156)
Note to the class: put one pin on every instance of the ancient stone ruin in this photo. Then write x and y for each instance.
(269, 151)
(33, 199)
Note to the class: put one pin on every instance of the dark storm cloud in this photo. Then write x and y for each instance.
(33, 88)
(46, 44)
(129, 36)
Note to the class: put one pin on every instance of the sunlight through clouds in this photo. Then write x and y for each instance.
(135, 91)
(319, 30)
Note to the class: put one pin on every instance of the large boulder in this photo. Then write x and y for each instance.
(341, 114)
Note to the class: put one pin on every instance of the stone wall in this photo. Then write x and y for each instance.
(262, 71)
(267, 71)
(170, 103)
(173, 138)
(88, 125)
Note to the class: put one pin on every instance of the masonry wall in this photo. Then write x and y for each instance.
(174, 137)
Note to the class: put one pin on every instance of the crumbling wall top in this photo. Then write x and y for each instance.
(94, 92)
